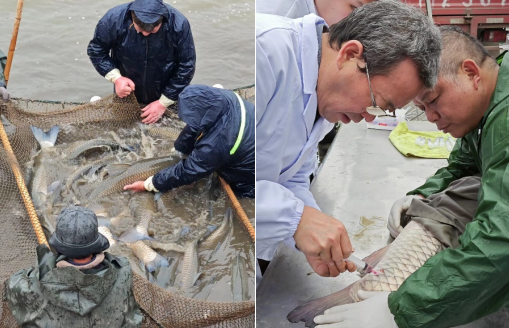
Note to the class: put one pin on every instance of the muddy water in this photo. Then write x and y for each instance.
(51, 62)
(181, 215)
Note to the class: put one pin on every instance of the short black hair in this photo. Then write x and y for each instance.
(144, 26)
(457, 46)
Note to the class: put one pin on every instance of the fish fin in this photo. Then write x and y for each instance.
(132, 235)
(46, 139)
(158, 262)
(157, 196)
(103, 222)
(116, 169)
(52, 187)
(375, 257)
(308, 311)
(196, 278)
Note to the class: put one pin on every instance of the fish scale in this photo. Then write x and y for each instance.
(413, 247)
(404, 256)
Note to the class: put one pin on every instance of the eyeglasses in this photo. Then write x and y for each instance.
(375, 110)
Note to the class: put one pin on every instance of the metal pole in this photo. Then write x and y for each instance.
(14, 38)
(428, 9)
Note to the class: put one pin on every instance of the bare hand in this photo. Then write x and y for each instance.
(153, 112)
(137, 186)
(124, 86)
(324, 241)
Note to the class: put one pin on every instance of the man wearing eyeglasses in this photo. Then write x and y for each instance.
(466, 206)
(309, 78)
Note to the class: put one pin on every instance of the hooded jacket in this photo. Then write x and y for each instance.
(462, 284)
(213, 118)
(160, 63)
(46, 296)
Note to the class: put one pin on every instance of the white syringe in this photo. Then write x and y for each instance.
(360, 264)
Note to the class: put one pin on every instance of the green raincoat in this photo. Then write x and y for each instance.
(47, 296)
(3, 61)
(460, 285)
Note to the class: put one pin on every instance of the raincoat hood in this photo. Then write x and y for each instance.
(202, 107)
(75, 291)
(148, 11)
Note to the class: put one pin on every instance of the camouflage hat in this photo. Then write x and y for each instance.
(76, 234)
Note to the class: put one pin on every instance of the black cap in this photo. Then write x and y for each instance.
(148, 11)
(76, 234)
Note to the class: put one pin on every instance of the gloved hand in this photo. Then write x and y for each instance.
(153, 112)
(123, 86)
(355, 315)
(5, 94)
(398, 209)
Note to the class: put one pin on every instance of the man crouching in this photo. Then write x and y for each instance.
(80, 286)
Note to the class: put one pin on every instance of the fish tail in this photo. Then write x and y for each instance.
(158, 262)
(46, 139)
(308, 311)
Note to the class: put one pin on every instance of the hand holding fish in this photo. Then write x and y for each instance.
(398, 209)
(123, 86)
(324, 241)
(137, 186)
(153, 112)
(354, 315)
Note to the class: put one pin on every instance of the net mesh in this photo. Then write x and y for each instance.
(18, 240)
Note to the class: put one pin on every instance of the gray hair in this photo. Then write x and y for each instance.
(458, 46)
(391, 31)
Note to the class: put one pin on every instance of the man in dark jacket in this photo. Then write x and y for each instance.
(3, 88)
(152, 53)
(219, 137)
(81, 286)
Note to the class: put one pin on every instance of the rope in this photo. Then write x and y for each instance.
(238, 209)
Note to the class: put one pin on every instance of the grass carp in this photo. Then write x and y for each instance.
(218, 234)
(239, 281)
(79, 147)
(190, 265)
(136, 172)
(167, 132)
(391, 266)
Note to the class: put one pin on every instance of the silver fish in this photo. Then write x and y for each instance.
(190, 265)
(139, 171)
(239, 281)
(218, 235)
(167, 132)
(391, 266)
(39, 183)
(148, 256)
(92, 167)
(79, 147)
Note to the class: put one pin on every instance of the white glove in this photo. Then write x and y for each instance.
(399, 206)
(149, 185)
(4, 94)
(355, 315)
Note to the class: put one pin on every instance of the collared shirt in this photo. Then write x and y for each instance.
(286, 133)
(286, 8)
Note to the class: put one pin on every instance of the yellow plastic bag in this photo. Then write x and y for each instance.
(404, 140)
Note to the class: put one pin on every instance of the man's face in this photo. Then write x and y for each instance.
(453, 105)
(139, 30)
(343, 95)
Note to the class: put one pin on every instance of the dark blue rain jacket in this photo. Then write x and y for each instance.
(160, 63)
(213, 118)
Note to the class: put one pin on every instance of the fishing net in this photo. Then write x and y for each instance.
(18, 240)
